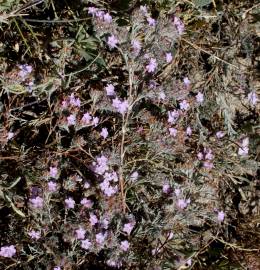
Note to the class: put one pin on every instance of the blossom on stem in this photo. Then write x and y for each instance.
(112, 41)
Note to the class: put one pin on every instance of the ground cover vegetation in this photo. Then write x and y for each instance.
(129, 134)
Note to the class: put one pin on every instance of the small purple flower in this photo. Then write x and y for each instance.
(70, 203)
(100, 14)
(177, 192)
(86, 244)
(173, 132)
(86, 119)
(207, 164)
(71, 120)
(151, 21)
(220, 134)
(8, 251)
(95, 121)
(221, 216)
(123, 107)
(57, 268)
(93, 219)
(34, 234)
(136, 45)
(179, 25)
(182, 203)
(244, 149)
(37, 202)
(52, 186)
(199, 97)
(186, 81)
(86, 185)
(110, 89)
(184, 105)
(92, 10)
(143, 9)
(10, 135)
(100, 238)
(189, 131)
(124, 245)
(252, 98)
(134, 176)
(86, 203)
(25, 70)
(162, 95)
(128, 227)
(107, 18)
(200, 156)
(168, 57)
(112, 41)
(152, 65)
(166, 188)
(80, 233)
(173, 116)
(53, 172)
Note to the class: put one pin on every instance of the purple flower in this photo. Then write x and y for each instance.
(104, 133)
(162, 95)
(136, 45)
(86, 185)
(95, 121)
(100, 238)
(182, 203)
(56, 268)
(200, 156)
(86, 119)
(86, 203)
(173, 132)
(177, 192)
(93, 219)
(143, 9)
(207, 164)
(221, 216)
(186, 81)
(124, 245)
(70, 203)
(244, 149)
(151, 66)
(173, 116)
(208, 154)
(151, 21)
(80, 233)
(134, 176)
(74, 101)
(37, 202)
(34, 235)
(200, 97)
(110, 89)
(168, 57)
(101, 165)
(252, 98)
(100, 14)
(120, 106)
(184, 105)
(220, 134)
(52, 186)
(107, 18)
(166, 188)
(8, 251)
(92, 10)
(179, 25)
(71, 120)
(112, 41)
(10, 135)
(53, 172)
(128, 227)
(189, 131)
(25, 70)
(86, 244)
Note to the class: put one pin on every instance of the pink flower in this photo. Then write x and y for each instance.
(189, 131)
(152, 65)
(37, 202)
(110, 89)
(92, 10)
(124, 245)
(34, 235)
(80, 233)
(71, 120)
(252, 98)
(8, 251)
(86, 203)
(151, 21)
(100, 238)
(168, 57)
(208, 153)
(221, 216)
(200, 156)
(86, 244)
(220, 134)
(93, 219)
(70, 203)
(128, 227)
(86, 119)
(53, 172)
(52, 186)
(107, 18)
(199, 97)
(184, 105)
(173, 132)
(112, 41)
